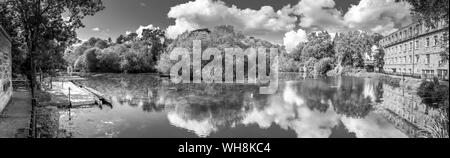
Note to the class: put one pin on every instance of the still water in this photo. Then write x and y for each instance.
(150, 107)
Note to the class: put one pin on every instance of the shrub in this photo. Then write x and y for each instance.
(109, 61)
(391, 81)
(433, 94)
(80, 63)
(130, 63)
(323, 66)
(164, 64)
(101, 44)
(288, 65)
(309, 65)
(91, 59)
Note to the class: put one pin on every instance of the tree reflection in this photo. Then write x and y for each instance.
(312, 108)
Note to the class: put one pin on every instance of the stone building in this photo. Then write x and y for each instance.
(5, 69)
(415, 50)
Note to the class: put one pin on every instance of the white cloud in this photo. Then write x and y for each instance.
(380, 16)
(319, 13)
(96, 29)
(265, 22)
(202, 128)
(293, 38)
(372, 126)
(289, 111)
(142, 28)
(279, 26)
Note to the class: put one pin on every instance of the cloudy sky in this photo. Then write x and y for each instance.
(279, 21)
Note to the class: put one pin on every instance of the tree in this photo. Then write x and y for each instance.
(101, 44)
(350, 47)
(120, 39)
(319, 46)
(296, 54)
(156, 39)
(38, 21)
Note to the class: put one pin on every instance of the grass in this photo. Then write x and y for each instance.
(438, 128)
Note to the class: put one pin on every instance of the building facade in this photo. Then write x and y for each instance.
(5, 69)
(416, 50)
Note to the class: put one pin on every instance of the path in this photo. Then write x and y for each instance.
(17, 115)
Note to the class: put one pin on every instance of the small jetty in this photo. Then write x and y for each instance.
(66, 89)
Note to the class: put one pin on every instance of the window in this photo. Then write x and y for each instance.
(417, 44)
(428, 59)
(427, 43)
(410, 32)
(410, 46)
(401, 48)
(417, 58)
(406, 47)
(410, 59)
(436, 40)
(417, 29)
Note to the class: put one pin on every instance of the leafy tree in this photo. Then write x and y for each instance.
(120, 39)
(296, 54)
(38, 21)
(319, 46)
(156, 39)
(351, 47)
(101, 44)
(323, 66)
(91, 59)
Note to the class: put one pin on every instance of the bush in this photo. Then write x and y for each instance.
(391, 81)
(288, 65)
(91, 59)
(323, 66)
(101, 44)
(309, 65)
(433, 94)
(80, 63)
(164, 64)
(109, 61)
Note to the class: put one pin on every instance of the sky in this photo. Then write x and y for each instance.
(284, 22)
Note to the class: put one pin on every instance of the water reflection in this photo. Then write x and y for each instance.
(331, 107)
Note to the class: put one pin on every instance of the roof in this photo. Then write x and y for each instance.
(2, 31)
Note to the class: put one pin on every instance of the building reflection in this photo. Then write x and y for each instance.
(406, 110)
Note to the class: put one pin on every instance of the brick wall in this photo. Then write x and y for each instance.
(5, 69)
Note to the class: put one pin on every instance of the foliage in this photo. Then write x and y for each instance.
(319, 46)
(80, 63)
(379, 58)
(352, 46)
(109, 60)
(101, 44)
(131, 54)
(391, 81)
(323, 66)
(310, 65)
(31, 24)
(91, 59)
(288, 64)
(219, 37)
(434, 94)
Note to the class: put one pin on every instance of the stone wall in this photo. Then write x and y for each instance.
(5, 69)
